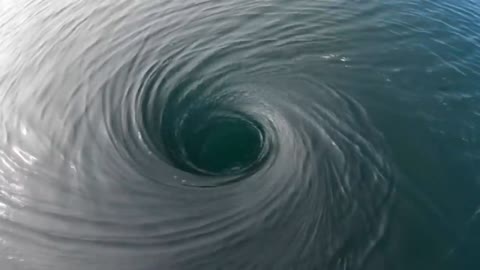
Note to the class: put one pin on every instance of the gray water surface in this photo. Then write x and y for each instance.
(206, 134)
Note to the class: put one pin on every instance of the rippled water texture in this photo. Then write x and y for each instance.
(239, 134)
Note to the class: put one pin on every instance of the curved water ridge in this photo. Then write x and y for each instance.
(193, 135)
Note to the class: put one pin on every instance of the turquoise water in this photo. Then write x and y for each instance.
(239, 134)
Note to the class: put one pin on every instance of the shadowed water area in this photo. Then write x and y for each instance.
(204, 134)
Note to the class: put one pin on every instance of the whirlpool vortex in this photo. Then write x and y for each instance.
(170, 143)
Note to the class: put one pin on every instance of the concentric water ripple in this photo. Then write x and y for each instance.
(190, 135)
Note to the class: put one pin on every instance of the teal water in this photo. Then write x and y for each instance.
(206, 134)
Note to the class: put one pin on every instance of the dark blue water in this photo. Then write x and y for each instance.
(239, 134)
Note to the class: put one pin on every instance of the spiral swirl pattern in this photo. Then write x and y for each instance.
(179, 138)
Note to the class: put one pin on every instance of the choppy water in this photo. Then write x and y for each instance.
(239, 134)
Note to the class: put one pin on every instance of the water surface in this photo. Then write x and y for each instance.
(239, 134)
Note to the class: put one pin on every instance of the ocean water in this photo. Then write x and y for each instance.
(205, 134)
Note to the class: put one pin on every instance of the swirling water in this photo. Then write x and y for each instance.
(205, 134)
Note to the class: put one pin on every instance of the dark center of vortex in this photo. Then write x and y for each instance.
(222, 145)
